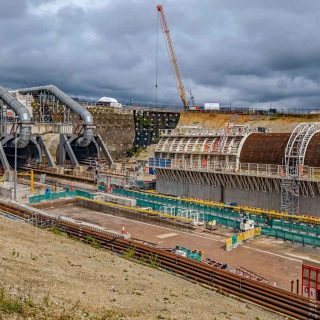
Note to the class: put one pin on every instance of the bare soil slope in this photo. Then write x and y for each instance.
(276, 123)
(59, 278)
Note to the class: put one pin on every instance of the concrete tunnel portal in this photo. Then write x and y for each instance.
(26, 156)
(76, 148)
(19, 137)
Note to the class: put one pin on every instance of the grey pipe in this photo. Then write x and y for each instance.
(85, 115)
(24, 115)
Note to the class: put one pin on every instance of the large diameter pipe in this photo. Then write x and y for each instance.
(88, 133)
(24, 117)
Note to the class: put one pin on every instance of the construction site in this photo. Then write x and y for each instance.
(225, 198)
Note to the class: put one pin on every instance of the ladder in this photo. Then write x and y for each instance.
(294, 160)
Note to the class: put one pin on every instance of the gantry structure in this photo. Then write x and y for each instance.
(238, 156)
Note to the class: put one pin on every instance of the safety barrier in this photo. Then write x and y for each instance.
(241, 237)
(292, 236)
(295, 231)
(60, 195)
(229, 244)
(146, 212)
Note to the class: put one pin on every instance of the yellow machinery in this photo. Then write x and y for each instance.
(31, 175)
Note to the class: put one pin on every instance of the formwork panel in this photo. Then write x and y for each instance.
(312, 157)
(267, 148)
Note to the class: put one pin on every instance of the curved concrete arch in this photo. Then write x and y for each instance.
(241, 144)
(299, 141)
(73, 138)
(31, 149)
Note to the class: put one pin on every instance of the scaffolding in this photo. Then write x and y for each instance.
(196, 216)
(230, 129)
(294, 160)
(196, 148)
(215, 160)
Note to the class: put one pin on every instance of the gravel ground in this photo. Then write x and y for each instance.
(65, 279)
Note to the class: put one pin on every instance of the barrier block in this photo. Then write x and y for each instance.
(229, 244)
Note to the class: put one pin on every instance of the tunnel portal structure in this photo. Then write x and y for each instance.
(243, 165)
(77, 146)
(24, 128)
(16, 135)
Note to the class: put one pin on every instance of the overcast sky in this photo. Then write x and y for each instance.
(247, 52)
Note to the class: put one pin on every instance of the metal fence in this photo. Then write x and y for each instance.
(252, 110)
(266, 170)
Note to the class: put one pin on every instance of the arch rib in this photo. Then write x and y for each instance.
(294, 160)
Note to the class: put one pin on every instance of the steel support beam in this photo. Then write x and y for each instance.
(104, 149)
(46, 151)
(4, 160)
(65, 147)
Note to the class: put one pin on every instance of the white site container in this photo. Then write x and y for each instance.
(211, 106)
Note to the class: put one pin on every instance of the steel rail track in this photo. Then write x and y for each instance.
(227, 281)
(275, 299)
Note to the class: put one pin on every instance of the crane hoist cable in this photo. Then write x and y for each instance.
(157, 60)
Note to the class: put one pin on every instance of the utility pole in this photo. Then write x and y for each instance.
(15, 158)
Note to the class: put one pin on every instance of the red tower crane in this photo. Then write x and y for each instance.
(173, 57)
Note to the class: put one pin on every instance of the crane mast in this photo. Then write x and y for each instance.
(172, 56)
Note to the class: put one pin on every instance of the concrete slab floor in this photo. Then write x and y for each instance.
(276, 260)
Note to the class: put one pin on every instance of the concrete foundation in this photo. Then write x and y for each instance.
(7, 192)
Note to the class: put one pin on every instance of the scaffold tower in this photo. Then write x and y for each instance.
(294, 161)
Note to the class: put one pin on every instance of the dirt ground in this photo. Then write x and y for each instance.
(276, 123)
(273, 259)
(76, 281)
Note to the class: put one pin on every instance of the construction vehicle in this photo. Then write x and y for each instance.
(174, 60)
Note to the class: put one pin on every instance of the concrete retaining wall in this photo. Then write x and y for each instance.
(119, 212)
(259, 199)
(182, 189)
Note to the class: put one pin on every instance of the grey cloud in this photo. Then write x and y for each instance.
(250, 52)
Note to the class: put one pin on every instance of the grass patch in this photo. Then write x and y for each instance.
(23, 307)
(10, 305)
(129, 253)
(152, 261)
(58, 232)
(93, 242)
